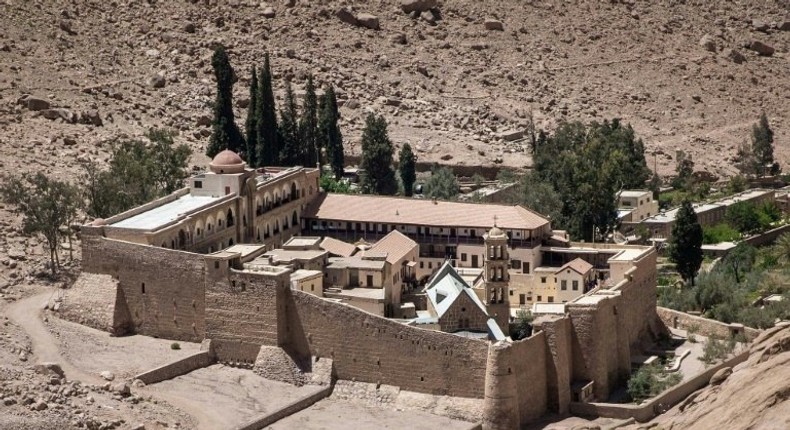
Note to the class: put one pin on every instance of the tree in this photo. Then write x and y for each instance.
(685, 245)
(782, 246)
(743, 217)
(251, 126)
(655, 185)
(47, 206)
(267, 136)
(379, 176)
(684, 167)
(740, 259)
(763, 143)
(290, 151)
(332, 185)
(330, 137)
(137, 174)
(308, 125)
(442, 184)
(225, 133)
(523, 328)
(540, 196)
(407, 162)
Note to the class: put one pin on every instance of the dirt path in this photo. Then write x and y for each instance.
(28, 314)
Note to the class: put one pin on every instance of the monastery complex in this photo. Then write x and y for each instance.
(413, 293)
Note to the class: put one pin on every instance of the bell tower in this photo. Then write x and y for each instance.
(495, 274)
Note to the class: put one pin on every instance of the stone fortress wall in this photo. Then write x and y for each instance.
(193, 297)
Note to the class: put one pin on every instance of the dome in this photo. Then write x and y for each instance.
(496, 232)
(227, 161)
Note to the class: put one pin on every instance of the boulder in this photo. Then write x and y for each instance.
(122, 388)
(36, 103)
(107, 375)
(761, 48)
(344, 14)
(39, 405)
(784, 26)
(760, 25)
(493, 24)
(409, 6)
(189, 28)
(399, 38)
(510, 136)
(204, 120)
(708, 42)
(64, 114)
(157, 81)
(91, 117)
(735, 56)
(49, 369)
(368, 21)
(269, 12)
(720, 376)
(65, 25)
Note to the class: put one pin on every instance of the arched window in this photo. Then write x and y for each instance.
(294, 192)
(230, 218)
(294, 219)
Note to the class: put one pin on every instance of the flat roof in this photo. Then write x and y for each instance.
(304, 273)
(362, 293)
(159, 216)
(283, 255)
(396, 210)
(355, 263)
(302, 241)
(628, 254)
(244, 249)
(634, 193)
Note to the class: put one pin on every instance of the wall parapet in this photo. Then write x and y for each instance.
(286, 411)
(659, 404)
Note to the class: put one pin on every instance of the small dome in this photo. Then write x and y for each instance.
(496, 232)
(227, 161)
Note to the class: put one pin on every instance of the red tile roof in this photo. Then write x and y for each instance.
(338, 247)
(395, 244)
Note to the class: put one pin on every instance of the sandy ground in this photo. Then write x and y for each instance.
(230, 396)
(337, 414)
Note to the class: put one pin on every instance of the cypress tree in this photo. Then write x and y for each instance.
(685, 246)
(407, 168)
(763, 143)
(225, 133)
(251, 126)
(329, 132)
(290, 152)
(308, 125)
(379, 177)
(267, 136)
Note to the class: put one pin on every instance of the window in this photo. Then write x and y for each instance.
(511, 292)
(515, 264)
(143, 287)
(551, 299)
(422, 264)
(525, 268)
(540, 298)
(430, 265)
(370, 280)
(463, 257)
(564, 285)
(575, 285)
(522, 299)
(198, 184)
(542, 279)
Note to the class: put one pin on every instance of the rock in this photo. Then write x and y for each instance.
(138, 383)
(189, 28)
(761, 48)
(510, 136)
(368, 21)
(493, 24)
(784, 26)
(49, 369)
(243, 102)
(204, 120)
(708, 42)
(269, 13)
(64, 114)
(138, 427)
(107, 375)
(289, 3)
(760, 25)
(17, 254)
(409, 6)
(35, 103)
(352, 104)
(735, 56)
(720, 376)
(65, 25)
(344, 14)
(157, 81)
(122, 388)
(39, 405)
(399, 38)
(91, 117)
(69, 141)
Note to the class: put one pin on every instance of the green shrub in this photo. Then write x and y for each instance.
(719, 233)
(650, 380)
(175, 345)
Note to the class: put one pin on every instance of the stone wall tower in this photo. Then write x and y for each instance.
(496, 277)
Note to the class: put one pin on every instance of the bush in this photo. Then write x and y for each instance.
(650, 380)
(719, 233)
(715, 350)
(175, 346)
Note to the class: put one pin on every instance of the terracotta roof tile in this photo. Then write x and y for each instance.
(395, 210)
(579, 265)
(395, 244)
(338, 247)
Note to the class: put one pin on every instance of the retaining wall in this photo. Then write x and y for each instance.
(285, 411)
(657, 405)
(180, 367)
(705, 327)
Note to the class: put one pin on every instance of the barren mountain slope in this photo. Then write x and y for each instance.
(756, 396)
(451, 89)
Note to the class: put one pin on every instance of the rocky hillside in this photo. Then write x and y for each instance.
(457, 79)
(754, 395)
